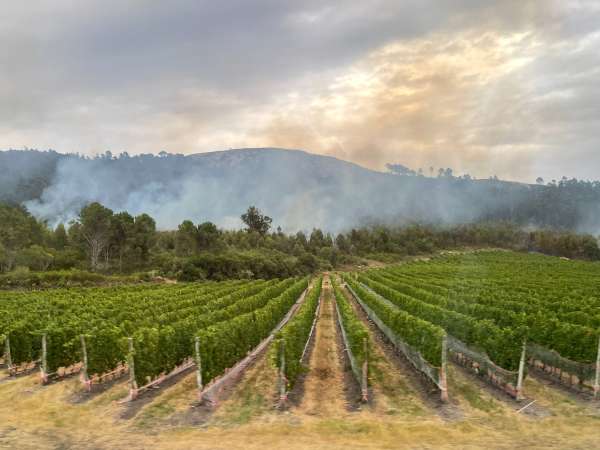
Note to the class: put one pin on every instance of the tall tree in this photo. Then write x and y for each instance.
(95, 228)
(18, 230)
(144, 232)
(342, 243)
(207, 235)
(256, 222)
(59, 237)
(317, 240)
(186, 238)
(121, 234)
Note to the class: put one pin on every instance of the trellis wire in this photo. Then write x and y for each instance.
(558, 366)
(477, 361)
(482, 365)
(413, 356)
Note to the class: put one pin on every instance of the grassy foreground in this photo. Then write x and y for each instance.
(54, 417)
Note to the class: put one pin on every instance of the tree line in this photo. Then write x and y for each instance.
(103, 241)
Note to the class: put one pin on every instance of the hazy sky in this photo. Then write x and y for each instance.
(489, 87)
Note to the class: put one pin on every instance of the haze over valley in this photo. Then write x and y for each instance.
(301, 191)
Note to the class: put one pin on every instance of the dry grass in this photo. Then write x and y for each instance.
(34, 417)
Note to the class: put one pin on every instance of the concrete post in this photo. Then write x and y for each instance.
(7, 356)
(44, 366)
(198, 367)
(365, 373)
(131, 363)
(521, 375)
(443, 370)
(597, 379)
(84, 371)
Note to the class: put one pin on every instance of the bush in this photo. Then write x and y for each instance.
(190, 272)
(256, 263)
(34, 257)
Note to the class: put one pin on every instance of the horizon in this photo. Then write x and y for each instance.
(486, 88)
(100, 155)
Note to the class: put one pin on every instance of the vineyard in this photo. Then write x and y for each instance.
(499, 311)
(151, 329)
(438, 334)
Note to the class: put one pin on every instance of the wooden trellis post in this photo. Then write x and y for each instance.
(198, 367)
(521, 374)
(443, 369)
(130, 362)
(44, 366)
(8, 356)
(597, 379)
(84, 370)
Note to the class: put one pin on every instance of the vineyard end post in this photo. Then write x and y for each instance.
(597, 379)
(443, 373)
(8, 356)
(521, 374)
(84, 370)
(44, 366)
(131, 364)
(198, 367)
(365, 373)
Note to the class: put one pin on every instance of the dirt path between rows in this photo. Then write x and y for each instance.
(324, 383)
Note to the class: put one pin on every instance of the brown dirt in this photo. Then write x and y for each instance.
(131, 409)
(573, 391)
(352, 389)
(324, 383)
(255, 397)
(82, 396)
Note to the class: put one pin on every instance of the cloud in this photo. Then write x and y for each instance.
(515, 104)
(506, 87)
(423, 102)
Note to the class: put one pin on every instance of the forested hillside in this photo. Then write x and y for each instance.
(216, 186)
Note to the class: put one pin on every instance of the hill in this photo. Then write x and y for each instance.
(300, 190)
